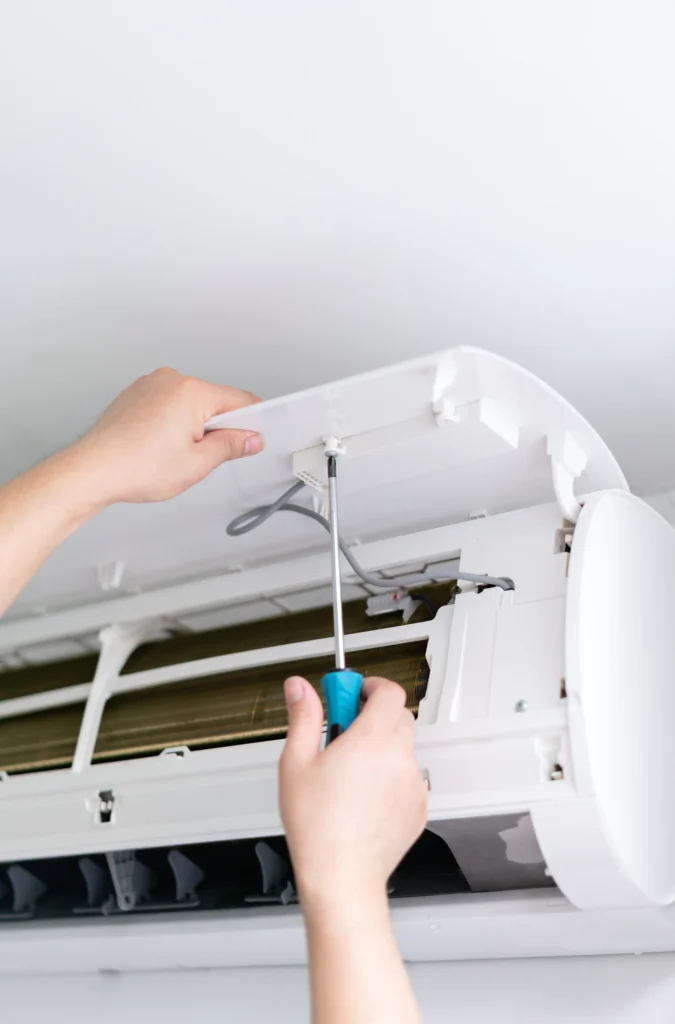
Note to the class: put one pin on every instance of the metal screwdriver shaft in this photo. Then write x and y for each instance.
(342, 686)
(333, 519)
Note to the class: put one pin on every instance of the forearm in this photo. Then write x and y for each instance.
(357, 974)
(38, 510)
(149, 445)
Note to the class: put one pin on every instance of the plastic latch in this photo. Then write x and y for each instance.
(334, 446)
(389, 603)
(179, 752)
(568, 462)
(310, 464)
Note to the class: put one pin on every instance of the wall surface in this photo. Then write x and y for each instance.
(630, 990)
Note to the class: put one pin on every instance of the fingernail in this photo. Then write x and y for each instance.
(253, 444)
(293, 690)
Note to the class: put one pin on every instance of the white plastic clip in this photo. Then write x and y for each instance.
(110, 575)
(179, 752)
(117, 643)
(568, 461)
(443, 406)
(393, 601)
(309, 465)
(334, 446)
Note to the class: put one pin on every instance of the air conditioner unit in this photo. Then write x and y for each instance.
(144, 832)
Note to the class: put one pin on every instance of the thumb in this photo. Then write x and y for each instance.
(223, 445)
(305, 717)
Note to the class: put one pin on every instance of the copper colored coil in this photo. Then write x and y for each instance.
(232, 707)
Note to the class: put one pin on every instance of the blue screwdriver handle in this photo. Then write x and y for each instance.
(342, 690)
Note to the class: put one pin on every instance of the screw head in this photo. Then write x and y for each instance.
(520, 706)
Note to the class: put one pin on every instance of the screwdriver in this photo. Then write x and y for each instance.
(342, 686)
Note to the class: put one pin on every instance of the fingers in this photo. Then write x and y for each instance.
(224, 445)
(219, 398)
(373, 683)
(406, 727)
(211, 399)
(220, 446)
(385, 705)
(305, 718)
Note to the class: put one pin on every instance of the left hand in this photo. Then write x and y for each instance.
(150, 444)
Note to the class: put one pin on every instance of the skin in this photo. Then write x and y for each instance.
(351, 811)
(149, 445)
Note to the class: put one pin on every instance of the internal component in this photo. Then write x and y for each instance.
(255, 517)
(234, 707)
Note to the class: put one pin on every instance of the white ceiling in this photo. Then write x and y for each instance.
(277, 194)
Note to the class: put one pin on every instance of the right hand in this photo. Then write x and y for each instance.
(352, 811)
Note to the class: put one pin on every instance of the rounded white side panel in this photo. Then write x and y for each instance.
(620, 674)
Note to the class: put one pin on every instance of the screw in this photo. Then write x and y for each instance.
(520, 705)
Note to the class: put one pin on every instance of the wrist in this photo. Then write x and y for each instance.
(74, 485)
(344, 907)
(88, 472)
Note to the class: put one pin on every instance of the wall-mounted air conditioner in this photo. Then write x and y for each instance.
(138, 796)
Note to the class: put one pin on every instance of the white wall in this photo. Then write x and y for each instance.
(640, 990)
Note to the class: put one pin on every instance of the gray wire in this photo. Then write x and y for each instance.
(255, 517)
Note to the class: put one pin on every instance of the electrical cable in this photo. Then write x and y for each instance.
(255, 517)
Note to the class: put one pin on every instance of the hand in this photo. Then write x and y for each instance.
(352, 811)
(150, 445)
